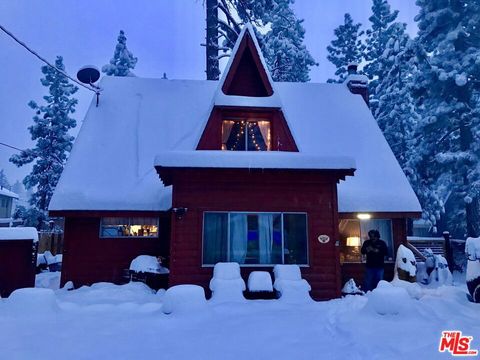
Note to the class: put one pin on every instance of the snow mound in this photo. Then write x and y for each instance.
(291, 286)
(227, 284)
(184, 299)
(29, 301)
(413, 289)
(351, 288)
(48, 280)
(147, 264)
(19, 233)
(287, 272)
(387, 299)
(472, 248)
(260, 281)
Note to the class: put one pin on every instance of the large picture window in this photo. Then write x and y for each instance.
(129, 227)
(246, 135)
(353, 234)
(255, 238)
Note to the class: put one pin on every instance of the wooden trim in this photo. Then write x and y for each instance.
(247, 42)
(107, 213)
(380, 215)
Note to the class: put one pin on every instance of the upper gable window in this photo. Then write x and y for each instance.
(246, 135)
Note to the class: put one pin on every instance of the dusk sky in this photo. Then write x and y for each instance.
(165, 35)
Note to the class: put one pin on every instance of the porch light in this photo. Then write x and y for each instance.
(353, 241)
(362, 216)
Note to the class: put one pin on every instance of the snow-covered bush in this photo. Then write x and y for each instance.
(436, 271)
(227, 283)
(259, 281)
(405, 265)
(184, 299)
(290, 285)
(387, 299)
(147, 264)
(472, 250)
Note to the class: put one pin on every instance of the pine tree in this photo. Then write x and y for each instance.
(396, 113)
(346, 48)
(285, 54)
(447, 88)
(382, 28)
(4, 180)
(123, 60)
(52, 122)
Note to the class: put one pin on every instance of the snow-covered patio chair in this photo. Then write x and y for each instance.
(227, 283)
(290, 285)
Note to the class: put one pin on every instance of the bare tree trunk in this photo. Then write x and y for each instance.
(212, 67)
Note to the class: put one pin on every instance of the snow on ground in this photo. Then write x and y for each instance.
(107, 321)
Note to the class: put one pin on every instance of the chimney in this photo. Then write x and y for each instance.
(356, 83)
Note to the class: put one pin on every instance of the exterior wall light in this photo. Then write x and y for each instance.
(362, 216)
(180, 212)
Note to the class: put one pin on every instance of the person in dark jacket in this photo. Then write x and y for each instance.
(375, 250)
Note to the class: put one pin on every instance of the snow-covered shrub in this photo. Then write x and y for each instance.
(472, 250)
(147, 264)
(259, 281)
(405, 265)
(290, 285)
(387, 299)
(29, 301)
(184, 298)
(227, 283)
(351, 288)
(436, 271)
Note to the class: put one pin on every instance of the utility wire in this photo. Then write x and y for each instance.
(46, 62)
(10, 146)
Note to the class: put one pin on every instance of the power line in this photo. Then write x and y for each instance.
(97, 92)
(10, 146)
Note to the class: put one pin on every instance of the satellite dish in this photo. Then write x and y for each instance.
(88, 74)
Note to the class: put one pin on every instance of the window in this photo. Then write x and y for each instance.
(354, 232)
(246, 135)
(129, 227)
(255, 238)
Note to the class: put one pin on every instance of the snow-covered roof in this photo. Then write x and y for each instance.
(111, 166)
(8, 193)
(18, 233)
(251, 160)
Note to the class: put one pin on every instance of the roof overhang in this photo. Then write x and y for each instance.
(251, 161)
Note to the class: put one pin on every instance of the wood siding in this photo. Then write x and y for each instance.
(87, 258)
(259, 191)
(17, 265)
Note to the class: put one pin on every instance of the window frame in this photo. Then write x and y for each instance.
(247, 119)
(257, 212)
(130, 224)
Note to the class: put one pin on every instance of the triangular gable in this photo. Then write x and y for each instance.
(246, 73)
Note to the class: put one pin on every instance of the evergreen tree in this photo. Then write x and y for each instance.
(285, 54)
(382, 29)
(52, 122)
(396, 113)
(346, 48)
(4, 180)
(447, 87)
(123, 60)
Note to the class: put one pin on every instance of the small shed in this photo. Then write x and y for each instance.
(18, 252)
